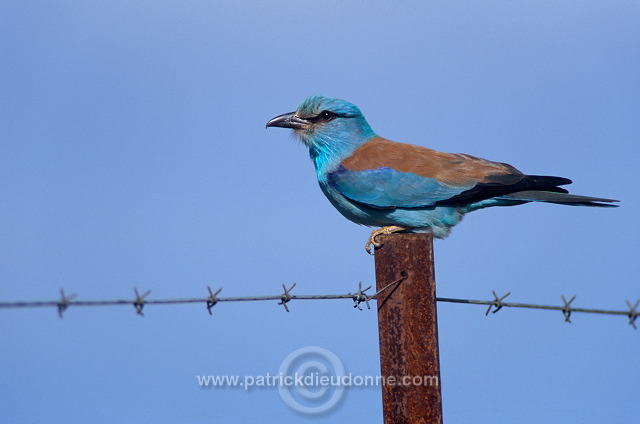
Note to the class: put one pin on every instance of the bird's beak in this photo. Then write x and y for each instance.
(288, 120)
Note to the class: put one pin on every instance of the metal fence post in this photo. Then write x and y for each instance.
(408, 330)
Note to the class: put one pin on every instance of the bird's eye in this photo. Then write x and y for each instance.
(327, 116)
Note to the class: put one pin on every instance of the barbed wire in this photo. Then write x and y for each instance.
(359, 297)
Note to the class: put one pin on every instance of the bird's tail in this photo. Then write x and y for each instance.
(560, 198)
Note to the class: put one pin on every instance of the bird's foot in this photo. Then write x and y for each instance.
(380, 231)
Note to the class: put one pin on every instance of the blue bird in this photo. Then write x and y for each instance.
(403, 187)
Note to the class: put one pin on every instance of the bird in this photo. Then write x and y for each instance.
(377, 182)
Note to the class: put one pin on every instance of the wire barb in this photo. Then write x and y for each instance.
(286, 296)
(497, 302)
(212, 299)
(139, 302)
(566, 310)
(63, 304)
(361, 296)
(633, 313)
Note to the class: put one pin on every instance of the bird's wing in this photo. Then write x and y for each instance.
(385, 187)
(385, 174)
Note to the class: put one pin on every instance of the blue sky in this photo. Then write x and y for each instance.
(134, 154)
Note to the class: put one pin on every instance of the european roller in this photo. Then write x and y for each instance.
(403, 187)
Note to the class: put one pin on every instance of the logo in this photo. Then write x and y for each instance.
(312, 377)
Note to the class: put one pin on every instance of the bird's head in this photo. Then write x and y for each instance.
(330, 128)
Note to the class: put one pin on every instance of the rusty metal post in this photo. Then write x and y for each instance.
(408, 329)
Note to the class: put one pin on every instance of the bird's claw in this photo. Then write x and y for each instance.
(372, 241)
(380, 231)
